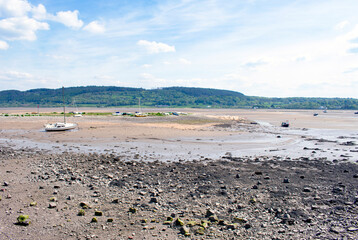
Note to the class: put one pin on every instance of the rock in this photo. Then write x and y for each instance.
(52, 205)
(98, 213)
(94, 220)
(132, 210)
(352, 229)
(209, 213)
(6, 184)
(213, 218)
(33, 204)
(185, 230)
(116, 200)
(81, 212)
(200, 231)
(85, 205)
(205, 223)
(110, 220)
(240, 220)
(179, 222)
(53, 199)
(153, 200)
(192, 223)
(286, 180)
(23, 220)
(231, 226)
(337, 230)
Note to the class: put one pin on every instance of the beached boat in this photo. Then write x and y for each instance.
(315, 114)
(285, 124)
(61, 126)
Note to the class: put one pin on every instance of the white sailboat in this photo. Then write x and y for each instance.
(61, 126)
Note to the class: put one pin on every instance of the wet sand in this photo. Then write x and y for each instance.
(203, 133)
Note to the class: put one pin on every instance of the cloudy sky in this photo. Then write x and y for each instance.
(267, 48)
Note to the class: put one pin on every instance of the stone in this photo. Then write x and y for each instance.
(213, 218)
(185, 230)
(337, 230)
(286, 180)
(200, 231)
(179, 222)
(52, 205)
(98, 213)
(23, 220)
(81, 212)
(85, 205)
(132, 210)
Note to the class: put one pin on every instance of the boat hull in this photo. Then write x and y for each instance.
(52, 127)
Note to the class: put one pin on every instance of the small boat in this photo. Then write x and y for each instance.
(356, 113)
(315, 114)
(285, 124)
(60, 126)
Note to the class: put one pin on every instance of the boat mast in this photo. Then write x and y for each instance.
(64, 108)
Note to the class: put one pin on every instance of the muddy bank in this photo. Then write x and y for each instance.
(226, 198)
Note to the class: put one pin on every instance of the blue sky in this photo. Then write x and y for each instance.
(267, 48)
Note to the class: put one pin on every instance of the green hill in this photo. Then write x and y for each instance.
(101, 96)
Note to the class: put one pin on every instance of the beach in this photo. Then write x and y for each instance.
(224, 173)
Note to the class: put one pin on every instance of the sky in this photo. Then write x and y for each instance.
(271, 48)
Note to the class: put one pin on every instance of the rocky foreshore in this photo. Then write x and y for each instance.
(91, 196)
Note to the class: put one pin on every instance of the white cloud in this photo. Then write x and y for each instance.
(95, 27)
(156, 47)
(68, 18)
(14, 75)
(3, 45)
(341, 25)
(14, 8)
(146, 65)
(184, 61)
(21, 28)
(39, 12)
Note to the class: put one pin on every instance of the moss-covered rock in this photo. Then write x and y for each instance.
(110, 220)
(23, 220)
(200, 231)
(179, 222)
(33, 204)
(94, 220)
(53, 199)
(185, 230)
(204, 223)
(192, 223)
(253, 200)
(85, 205)
(239, 220)
(81, 212)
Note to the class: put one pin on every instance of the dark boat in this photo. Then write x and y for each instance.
(285, 124)
(315, 114)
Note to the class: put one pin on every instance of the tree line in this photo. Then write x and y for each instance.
(108, 96)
